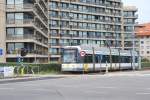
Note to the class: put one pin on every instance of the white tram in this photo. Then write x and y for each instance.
(90, 58)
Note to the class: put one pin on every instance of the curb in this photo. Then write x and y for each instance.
(14, 80)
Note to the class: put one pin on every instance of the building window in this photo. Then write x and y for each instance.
(142, 42)
(142, 47)
(10, 2)
(142, 52)
(148, 47)
(148, 52)
(15, 31)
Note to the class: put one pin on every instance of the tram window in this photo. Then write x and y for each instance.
(98, 58)
(115, 59)
(69, 56)
(136, 59)
(125, 59)
(88, 59)
(105, 58)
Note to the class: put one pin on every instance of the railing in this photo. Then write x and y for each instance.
(20, 21)
(64, 44)
(133, 16)
(84, 28)
(40, 52)
(26, 36)
(86, 19)
(19, 6)
(99, 3)
(20, 37)
(83, 36)
(44, 9)
(89, 11)
(25, 22)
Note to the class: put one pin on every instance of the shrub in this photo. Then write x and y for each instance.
(145, 64)
(145, 60)
(36, 68)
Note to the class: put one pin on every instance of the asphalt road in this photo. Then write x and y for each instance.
(93, 87)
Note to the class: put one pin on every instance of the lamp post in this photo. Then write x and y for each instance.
(70, 25)
(133, 48)
(110, 52)
(93, 56)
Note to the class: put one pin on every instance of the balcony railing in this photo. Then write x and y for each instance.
(20, 21)
(39, 52)
(26, 22)
(20, 37)
(84, 36)
(26, 36)
(19, 6)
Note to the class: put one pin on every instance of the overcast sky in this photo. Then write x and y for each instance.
(143, 9)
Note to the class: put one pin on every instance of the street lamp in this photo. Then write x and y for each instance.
(70, 25)
(133, 48)
(110, 54)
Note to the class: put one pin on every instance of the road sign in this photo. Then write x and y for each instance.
(1, 51)
(82, 53)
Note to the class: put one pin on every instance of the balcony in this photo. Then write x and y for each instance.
(19, 7)
(20, 37)
(27, 8)
(31, 54)
(27, 23)
(22, 22)
(72, 36)
(26, 38)
(131, 16)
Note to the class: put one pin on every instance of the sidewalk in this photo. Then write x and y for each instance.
(129, 73)
(56, 76)
(29, 78)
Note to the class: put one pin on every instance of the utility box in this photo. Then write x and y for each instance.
(6, 72)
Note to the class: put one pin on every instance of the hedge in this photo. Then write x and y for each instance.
(36, 68)
(145, 64)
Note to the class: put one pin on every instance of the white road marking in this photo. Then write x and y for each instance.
(6, 88)
(95, 92)
(107, 87)
(143, 93)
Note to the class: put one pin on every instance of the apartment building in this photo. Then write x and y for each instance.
(143, 34)
(43, 27)
(129, 24)
(24, 24)
(100, 22)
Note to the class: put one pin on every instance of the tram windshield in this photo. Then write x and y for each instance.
(69, 56)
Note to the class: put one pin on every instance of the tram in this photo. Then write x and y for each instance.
(94, 58)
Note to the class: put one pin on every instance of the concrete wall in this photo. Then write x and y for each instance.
(2, 31)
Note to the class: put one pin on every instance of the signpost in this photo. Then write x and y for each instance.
(82, 53)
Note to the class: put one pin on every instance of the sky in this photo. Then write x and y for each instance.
(143, 9)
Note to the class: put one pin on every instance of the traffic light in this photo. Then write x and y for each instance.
(23, 52)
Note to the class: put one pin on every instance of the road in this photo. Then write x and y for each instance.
(80, 87)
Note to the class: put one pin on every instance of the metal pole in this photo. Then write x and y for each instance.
(133, 41)
(139, 61)
(110, 59)
(110, 54)
(93, 58)
(119, 60)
